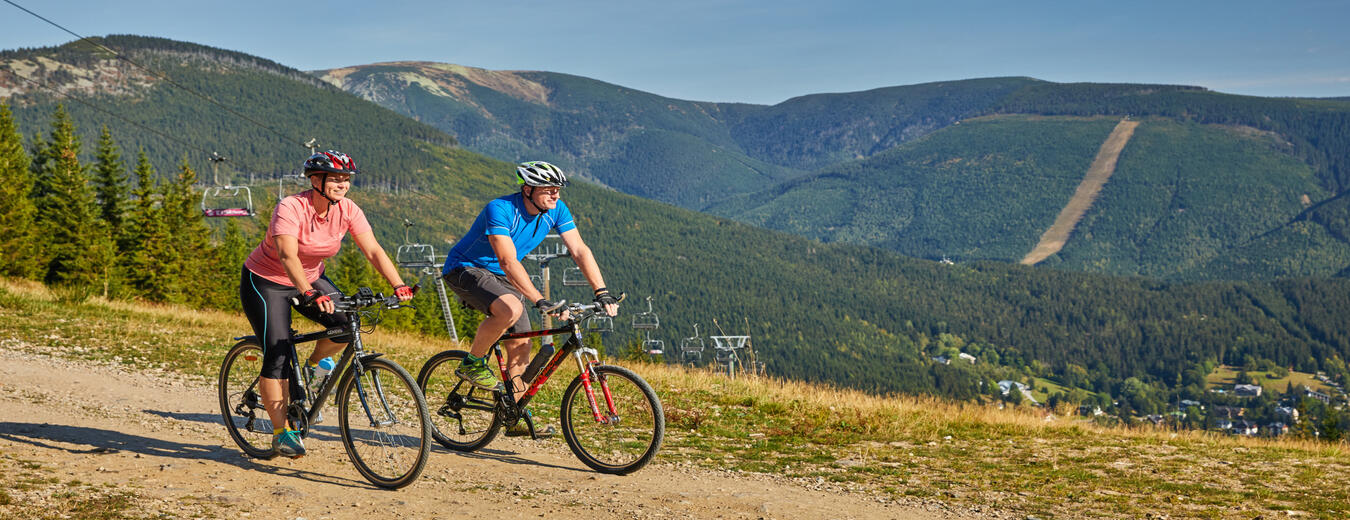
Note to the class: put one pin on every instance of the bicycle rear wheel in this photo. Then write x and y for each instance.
(618, 443)
(463, 416)
(241, 403)
(384, 423)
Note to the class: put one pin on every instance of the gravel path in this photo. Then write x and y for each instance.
(158, 435)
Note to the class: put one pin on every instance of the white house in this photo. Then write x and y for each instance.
(1247, 390)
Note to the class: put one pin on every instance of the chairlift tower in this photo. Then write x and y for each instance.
(726, 347)
(422, 259)
(544, 254)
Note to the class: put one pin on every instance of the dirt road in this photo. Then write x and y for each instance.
(159, 436)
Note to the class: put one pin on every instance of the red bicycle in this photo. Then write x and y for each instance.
(611, 418)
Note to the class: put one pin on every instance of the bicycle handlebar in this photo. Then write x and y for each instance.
(362, 298)
(581, 311)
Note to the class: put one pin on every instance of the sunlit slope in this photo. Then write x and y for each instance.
(840, 312)
(1190, 200)
(661, 148)
(1186, 201)
(984, 189)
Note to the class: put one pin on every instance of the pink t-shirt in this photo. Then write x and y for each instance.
(318, 238)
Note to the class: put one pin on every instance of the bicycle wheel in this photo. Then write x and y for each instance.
(240, 402)
(620, 443)
(464, 417)
(384, 423)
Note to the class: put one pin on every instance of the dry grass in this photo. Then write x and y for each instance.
(1021, 460)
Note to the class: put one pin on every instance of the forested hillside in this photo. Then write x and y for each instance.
(849, 314)
(1215, 187)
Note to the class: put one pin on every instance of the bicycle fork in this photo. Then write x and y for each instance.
(586, 359)
(358, 376)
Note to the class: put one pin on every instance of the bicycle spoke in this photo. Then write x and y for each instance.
(240, 404)
(627, 434)
(463, 416)
(384, 426)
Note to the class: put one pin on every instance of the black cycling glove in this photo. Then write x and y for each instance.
(603, 297)
(547, 307)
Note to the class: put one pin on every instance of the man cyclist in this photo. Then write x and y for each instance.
(306, 228)
(483, 269)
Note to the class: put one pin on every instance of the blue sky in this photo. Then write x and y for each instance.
(763, 51)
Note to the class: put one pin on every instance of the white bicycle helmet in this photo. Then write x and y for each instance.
(540, 173)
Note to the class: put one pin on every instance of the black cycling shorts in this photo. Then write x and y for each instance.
(480, 287)
(267, 305)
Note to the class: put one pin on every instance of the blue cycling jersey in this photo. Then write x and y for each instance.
(506, 216)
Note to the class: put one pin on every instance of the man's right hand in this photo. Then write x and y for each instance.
(318, 299)
(607, 302)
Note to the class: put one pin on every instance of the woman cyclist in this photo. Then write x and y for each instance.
(306, 228)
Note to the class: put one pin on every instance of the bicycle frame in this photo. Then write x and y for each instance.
(571, 347)
(352, 358)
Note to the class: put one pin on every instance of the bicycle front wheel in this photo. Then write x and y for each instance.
(384, 423)
(630, 426)
(241, 404)
(464, 416)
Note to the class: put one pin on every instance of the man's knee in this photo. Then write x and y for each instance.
(507, 308)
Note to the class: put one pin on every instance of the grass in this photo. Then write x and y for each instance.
(1226, 376)
(889, 448)
(31, 493)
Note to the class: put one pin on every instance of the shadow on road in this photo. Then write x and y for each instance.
(71, 439)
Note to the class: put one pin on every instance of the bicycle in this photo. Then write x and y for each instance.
(383, 417)
(616, 430)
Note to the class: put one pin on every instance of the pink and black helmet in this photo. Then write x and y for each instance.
(330, 161)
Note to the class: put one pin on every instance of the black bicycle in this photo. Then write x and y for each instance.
(382, 415)
(611, 418)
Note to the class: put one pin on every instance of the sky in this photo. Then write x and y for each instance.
(761, 52)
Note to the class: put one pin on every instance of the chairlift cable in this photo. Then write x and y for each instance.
(157, 74)
(68, 97)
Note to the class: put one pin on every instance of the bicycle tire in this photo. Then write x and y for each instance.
(240, 402)
(392, 452)
(464, 417)
(615, 447)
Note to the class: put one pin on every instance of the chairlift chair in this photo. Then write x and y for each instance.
(573, 277)
(646, 320)
(214, 199)
(654, 347)
(413, 256)
(600, 324)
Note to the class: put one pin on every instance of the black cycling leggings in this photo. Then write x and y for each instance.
(267, 305)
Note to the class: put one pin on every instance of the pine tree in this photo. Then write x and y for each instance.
(78, 247)
(110, 186)
(191, 243)
(147, 238)
(18, 233)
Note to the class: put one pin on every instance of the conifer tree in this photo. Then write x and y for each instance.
(76, 242)
(18, 251)
(148, 239)
(110, 186)
(190, 239)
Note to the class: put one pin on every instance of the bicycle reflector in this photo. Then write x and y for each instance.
(250, 357)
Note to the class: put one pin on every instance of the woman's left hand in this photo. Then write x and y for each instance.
(404, 293)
